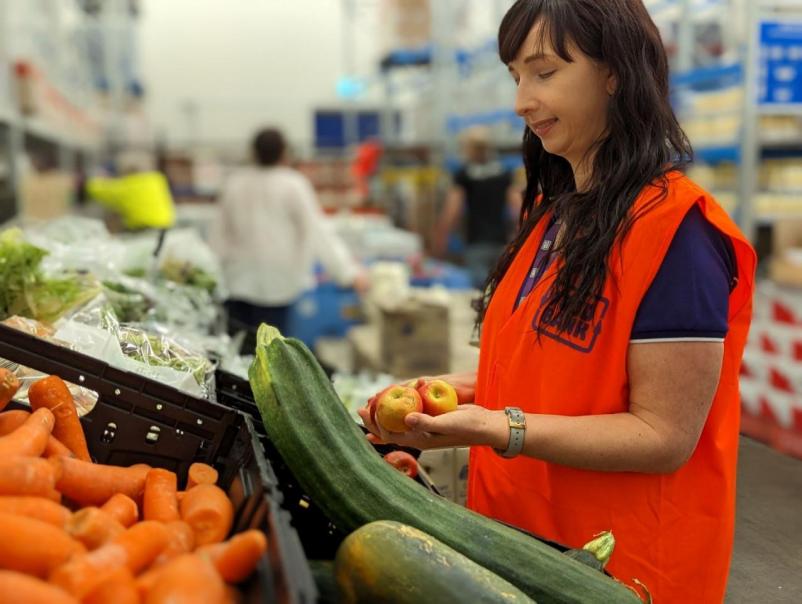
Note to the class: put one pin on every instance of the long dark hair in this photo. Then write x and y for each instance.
(643, 143)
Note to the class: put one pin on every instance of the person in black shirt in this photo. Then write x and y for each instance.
(484, 193)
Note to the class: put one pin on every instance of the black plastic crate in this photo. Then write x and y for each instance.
(137, 420)
(319, 536)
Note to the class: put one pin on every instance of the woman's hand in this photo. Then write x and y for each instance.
(469, 425)
(463, 383)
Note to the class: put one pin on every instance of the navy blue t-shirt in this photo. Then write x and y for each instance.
(689, 297)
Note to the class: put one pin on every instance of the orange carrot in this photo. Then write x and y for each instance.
(200, 473)
(208, 510)
(187, 579)
(11, 420)
(89, 483)
(93, 527)
(27, 476)
(9, 384)
(181, 541)
(117, 588)
(52, 392)
(236, 558)
(134, 549)
(34, 547)
(122, 508)
(37, 508)
(160, 502)
(30, 439)
(56, 448)
(16, 587)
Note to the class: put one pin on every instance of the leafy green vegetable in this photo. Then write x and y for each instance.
(26, 291)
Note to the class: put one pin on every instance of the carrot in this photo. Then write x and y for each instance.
(180, 541)
(122, 508)
(27, 476)
(56, 448)
(37, 508)
(9, 384)
(11, 420)
(93, 527)
(134, 549)
(208, 510)
(187, 579)
(117, 588)
(30, 439)
(34, 547)
(160, 502)
(52, 392)
(236, 558)
(200, 473)
(17, 587)
(89, 483)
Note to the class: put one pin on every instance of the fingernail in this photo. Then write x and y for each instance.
(411, 420)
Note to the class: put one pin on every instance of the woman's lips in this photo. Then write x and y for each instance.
(543, 127)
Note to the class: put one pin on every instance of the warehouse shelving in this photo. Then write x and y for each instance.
(68, 124)
(748, 146)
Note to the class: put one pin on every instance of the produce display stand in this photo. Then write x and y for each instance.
(138, 420)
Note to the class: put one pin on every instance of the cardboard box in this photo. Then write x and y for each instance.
(448, 471)
(414, 339)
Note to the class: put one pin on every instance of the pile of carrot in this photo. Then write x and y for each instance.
(76, 531)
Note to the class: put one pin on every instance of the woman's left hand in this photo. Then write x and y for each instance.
(469, 425)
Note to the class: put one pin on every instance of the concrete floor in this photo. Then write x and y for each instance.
(767, 559)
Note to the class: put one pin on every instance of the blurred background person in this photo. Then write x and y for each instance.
(270, 234)
(140, 196)
(483, 202)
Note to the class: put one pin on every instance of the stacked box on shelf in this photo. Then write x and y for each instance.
(415, 339)
(771, 372)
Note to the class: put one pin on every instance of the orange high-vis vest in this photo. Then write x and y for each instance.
(674, 532)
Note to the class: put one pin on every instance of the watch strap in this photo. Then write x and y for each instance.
(517, 423)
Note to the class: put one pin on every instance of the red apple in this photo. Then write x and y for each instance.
(403, 462)
(393, 404)
(438, 397)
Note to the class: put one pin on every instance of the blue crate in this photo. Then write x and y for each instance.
(326, 311)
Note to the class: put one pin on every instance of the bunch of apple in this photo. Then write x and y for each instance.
(389, 408)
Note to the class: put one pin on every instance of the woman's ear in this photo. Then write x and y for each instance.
(612, 83)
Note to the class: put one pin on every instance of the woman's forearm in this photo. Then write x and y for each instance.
(620, 442)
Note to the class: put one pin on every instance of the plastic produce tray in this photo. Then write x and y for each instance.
(137, 420)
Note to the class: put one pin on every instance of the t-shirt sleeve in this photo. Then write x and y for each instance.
(461, 178)
(689, 297)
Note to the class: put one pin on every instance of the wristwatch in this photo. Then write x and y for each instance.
(517, 422)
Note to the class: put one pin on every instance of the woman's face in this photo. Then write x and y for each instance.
(564, 104)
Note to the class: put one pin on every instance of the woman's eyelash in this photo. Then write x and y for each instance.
(546, 75)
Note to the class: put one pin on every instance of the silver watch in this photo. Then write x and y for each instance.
(517, 422)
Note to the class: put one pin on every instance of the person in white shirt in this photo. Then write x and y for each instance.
(270, 233)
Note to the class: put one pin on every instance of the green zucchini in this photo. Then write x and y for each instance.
(387, 561)
(342, 473)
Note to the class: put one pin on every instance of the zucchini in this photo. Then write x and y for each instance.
(386, 561)
(341, 472)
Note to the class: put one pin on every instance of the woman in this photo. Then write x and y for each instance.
(270, 234)
(615, 321)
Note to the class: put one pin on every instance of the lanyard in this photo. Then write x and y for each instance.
(541, 261)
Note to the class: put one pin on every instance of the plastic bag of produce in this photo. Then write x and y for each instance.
(26, 290)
